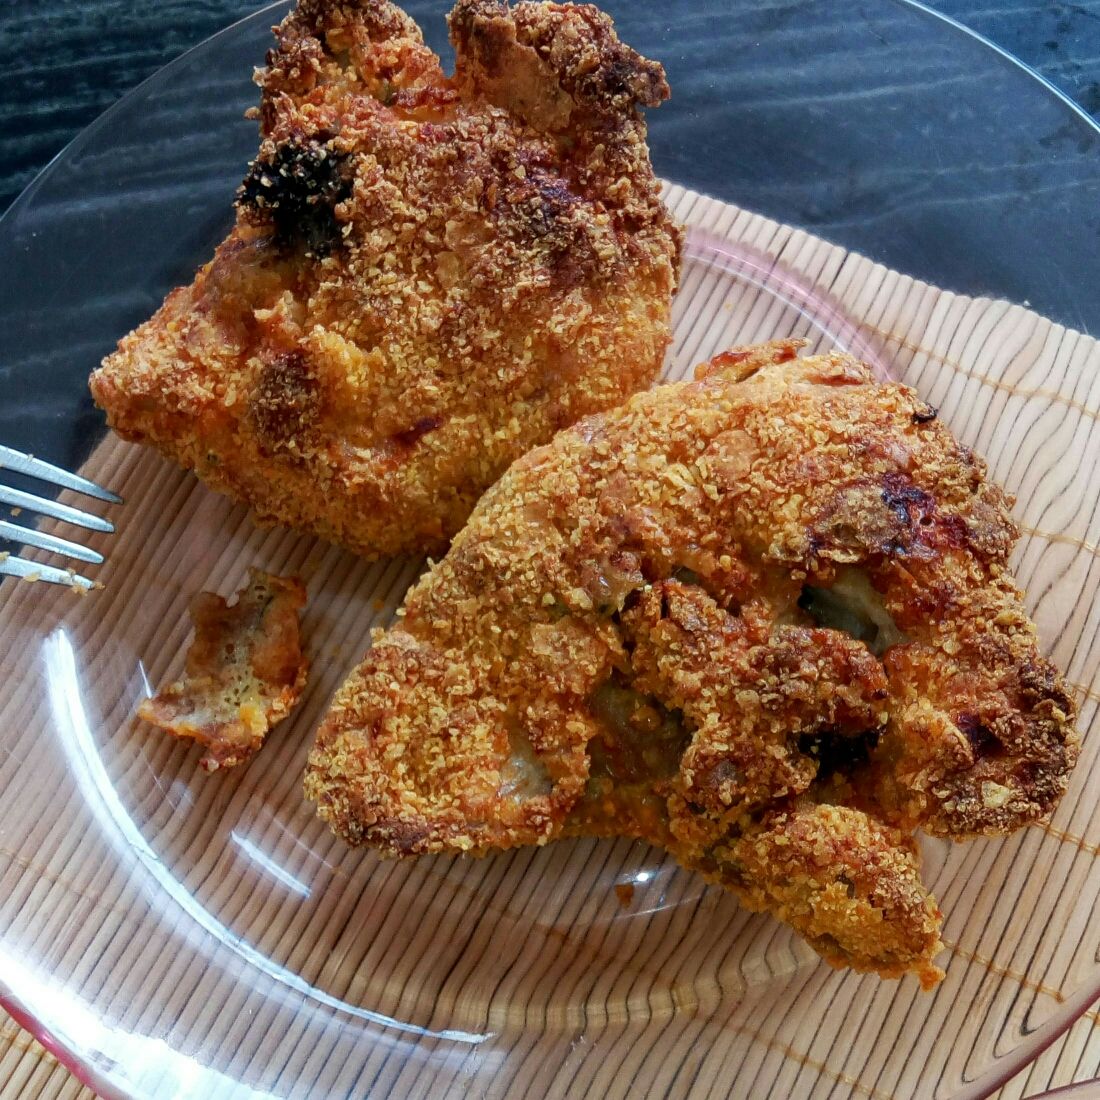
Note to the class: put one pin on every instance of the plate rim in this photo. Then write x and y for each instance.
(1005, 1068)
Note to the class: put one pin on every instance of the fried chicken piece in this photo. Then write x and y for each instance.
(763, 619)
(427, 275)
(245, 671)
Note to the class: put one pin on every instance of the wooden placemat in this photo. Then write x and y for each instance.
(1021, 390)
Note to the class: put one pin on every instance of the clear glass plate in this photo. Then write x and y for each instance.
(171, 934)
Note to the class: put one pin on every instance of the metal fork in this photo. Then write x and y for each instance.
(13, 566)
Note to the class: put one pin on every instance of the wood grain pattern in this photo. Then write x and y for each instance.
(212, 931)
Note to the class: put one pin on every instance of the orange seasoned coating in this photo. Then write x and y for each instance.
(847, 882)
(428, 275)
(762, 618)
(245, 671)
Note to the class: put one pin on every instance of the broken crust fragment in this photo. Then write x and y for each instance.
(763, 619)
(245, 671)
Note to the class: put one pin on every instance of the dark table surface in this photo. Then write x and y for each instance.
(67, 60)
(1019, 178)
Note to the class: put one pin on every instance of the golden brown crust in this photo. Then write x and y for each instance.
(427, 275)
(245, 671)
(767, 607)
(848, 883)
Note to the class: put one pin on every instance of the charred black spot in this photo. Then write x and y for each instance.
(953, 530)
(838, 752)
(296, 192)
(286, 400)
(981, 737)
(536, 210)
(1040, 680)
(554, 192)
(619, 76)
(411, 436)
(546, 210)
(1031, 774)
(910, 504)
(923, 416)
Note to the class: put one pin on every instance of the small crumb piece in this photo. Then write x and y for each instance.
(16, 512)
(624, 891)
(995, 795)
(245, 671)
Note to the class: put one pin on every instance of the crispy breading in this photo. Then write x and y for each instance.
(427, 275)
(245, 671)
(763, 619)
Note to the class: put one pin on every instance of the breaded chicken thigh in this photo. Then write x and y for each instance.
(763, 619)
(427, 275)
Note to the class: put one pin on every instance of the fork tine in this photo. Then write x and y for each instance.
(17, 498)
(34, 467)
(20, 567)
(29, 537)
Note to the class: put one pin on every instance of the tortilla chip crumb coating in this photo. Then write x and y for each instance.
(763, 619)
(245, 671)
(428, 275)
